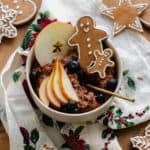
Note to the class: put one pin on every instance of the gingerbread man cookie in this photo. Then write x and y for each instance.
(87, 39)
(26, 10)
(125, 15)
(102, 61)
(7, 17)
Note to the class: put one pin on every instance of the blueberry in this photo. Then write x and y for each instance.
(73, 66)
(71, 106)
(34, 75)
(111, 84)
(63, 109)
(100, 97)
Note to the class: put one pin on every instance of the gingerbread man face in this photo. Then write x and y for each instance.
(85, 24)
(87, 39)
(26, 10)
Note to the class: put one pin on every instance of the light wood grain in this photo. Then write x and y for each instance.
(4, 142)
(6, 49)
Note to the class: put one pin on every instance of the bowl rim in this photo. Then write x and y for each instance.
(28, 67)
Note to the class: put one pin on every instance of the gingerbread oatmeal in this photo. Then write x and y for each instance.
(79, 78)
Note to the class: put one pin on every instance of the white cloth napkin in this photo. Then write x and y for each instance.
(29, 129)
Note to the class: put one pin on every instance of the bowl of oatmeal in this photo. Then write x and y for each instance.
(58, 84)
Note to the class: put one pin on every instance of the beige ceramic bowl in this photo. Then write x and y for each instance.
(66, 117)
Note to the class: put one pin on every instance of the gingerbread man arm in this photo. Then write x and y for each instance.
(101, 35)
(73, 40)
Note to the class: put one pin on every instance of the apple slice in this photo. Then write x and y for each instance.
(52, 43)
(56, 86)
(66, 86)
(42, 92)
(51, 97)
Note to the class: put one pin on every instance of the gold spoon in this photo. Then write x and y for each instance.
(111, 93)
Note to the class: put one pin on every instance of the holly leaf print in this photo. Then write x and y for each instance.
(100, 117)
(131, 83)
(29, 147)
(79, 130)
(105, 121)
(105, 133)
(111, 108)
(47, 120)
(125, 72)
(34, 136)
(118, 113)
(87, 147)
(71, 132)
(60, 124)
(129, 124)
(65, 145)
(147, 108)
(16, 76)
(35, 27)
(25, 135)
(118, 124)
(27, 40)
(46, 14)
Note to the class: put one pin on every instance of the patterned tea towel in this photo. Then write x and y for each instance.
(29, 129)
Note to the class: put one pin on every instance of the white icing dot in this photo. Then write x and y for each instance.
(88, 39)
(6, 6)
(20, 12)
(17, 7)
(90, 52)
(81, 25)
(15, 1)
(87, 23)
(89, 45)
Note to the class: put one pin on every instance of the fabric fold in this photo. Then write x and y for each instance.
(27, 127)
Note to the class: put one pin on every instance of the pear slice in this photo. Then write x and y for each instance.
(66, 86)
(56, 84)
(50, 95)
(51, 42)
(42, 92)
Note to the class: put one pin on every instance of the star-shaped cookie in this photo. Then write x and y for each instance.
(7, 17)
(102, 61)
(125, 15)
(142, 142)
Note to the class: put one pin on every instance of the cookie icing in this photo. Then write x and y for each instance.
(102, 61)
(126, 15)
(8, 16)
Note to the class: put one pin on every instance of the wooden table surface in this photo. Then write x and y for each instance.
(6, 49)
